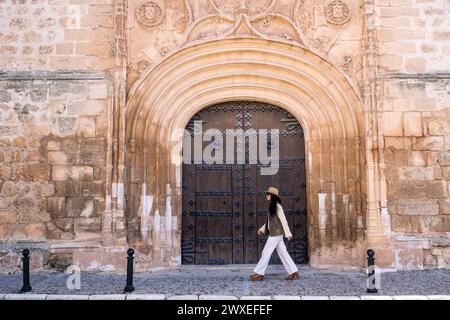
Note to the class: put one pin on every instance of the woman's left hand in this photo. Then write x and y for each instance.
(290, 238)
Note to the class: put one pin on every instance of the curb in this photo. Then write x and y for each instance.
(32, 296)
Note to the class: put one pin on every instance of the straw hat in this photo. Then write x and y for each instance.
(273, 191)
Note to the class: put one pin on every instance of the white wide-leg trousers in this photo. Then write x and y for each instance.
(272, 244)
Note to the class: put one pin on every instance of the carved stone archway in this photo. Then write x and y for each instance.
(316, 92)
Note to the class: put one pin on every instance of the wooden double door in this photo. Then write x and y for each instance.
(224, 204)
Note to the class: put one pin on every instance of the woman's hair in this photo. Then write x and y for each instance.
(274, 200)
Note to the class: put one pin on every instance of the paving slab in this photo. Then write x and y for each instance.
(256, 298)
(216, 297)
(410, 297)
(184, 297)
(287, 298)
(146, 297)
(234, 281)
(25, 296)
(67, 297)
(107, 297)
(376, 297)
(315, 298)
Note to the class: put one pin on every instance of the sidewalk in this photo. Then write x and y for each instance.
(231, 282)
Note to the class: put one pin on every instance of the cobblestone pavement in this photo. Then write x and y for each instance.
(234, 281)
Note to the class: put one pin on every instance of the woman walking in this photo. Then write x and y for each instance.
(276, 226)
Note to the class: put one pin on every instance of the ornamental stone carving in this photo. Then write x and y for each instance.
(150, 14)
(337, 12)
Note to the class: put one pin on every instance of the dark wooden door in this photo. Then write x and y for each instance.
(225, 204)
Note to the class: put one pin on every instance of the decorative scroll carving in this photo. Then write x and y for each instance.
(254, 7)
(244, 17)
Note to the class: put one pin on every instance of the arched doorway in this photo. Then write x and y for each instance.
(314, 90)
(223, 203)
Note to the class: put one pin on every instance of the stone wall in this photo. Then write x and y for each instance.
(53, 151)
(56, 34)
(414, 65)
(68, 68)
(55, 97)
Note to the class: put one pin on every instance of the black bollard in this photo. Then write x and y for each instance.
(26, 271)
(130, 258)
(371, 272)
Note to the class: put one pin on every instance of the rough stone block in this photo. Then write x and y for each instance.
(56, 206)
(68, 89)
(95, 189)
(418, 207)
(435, 224)
(62, 173)
(74, 207)
(9, 189)
(422, 158)
(444, 206)
(438, 127)
(396, 157)
(428, 143)
(53, 145)
(59, 157)
(89, 224)
(92, 152)
(445, 171)
(90, 107)
(68, 188)
(25, 203)
(98, 91)
(444, 159)
(35, 231)
(65, 224)
(33, 172)
(86, 127)
(409, 224)
(315, 297)
(5, 203)
(416, 173)
(8, 216)
(412, 124)
(392, 124)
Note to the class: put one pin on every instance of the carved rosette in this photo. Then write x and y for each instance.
(150, 13)
(337, 12)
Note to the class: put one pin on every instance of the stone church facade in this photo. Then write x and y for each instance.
(93, 92)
